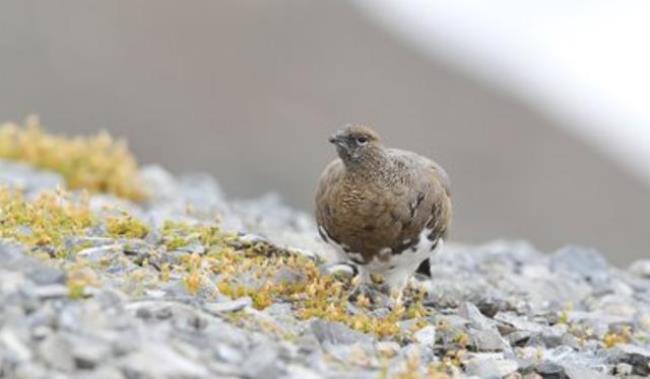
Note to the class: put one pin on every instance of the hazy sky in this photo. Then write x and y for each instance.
(585, 63)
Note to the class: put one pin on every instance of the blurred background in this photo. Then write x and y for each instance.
(539, 112)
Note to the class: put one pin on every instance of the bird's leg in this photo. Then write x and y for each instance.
(362, 278)
(396, 282)
(364, 286)
(360, 285)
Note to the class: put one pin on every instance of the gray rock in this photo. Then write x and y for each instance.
(487, 366)
(487, 340)
(641, 268)
(29, 179)
(587, 263)
(228, 306)
(521, 337)
(518, 323)
(550, 369)
(336, 333)
(262, 362)
(95, 254)
(53, 291)
(15, 349)
(88, 353)
(580, 372)
(10, 253)
(44, 275)
(13, 257)
(624, 369)
(56, 352)
(31, 370)
(107, 372)
(426, 336)
(299, 372)
(229, 354)
(160, 361)
(635, 356)
(476, 318)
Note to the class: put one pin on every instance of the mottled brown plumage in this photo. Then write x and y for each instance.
(377, 204)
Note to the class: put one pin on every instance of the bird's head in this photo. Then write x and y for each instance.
(355, 142)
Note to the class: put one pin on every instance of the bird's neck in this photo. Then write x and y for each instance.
(372, 166)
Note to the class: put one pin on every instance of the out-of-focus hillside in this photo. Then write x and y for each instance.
(249, 92)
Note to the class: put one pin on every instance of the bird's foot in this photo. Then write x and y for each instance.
(368, 295)
(419, 287)
(396, 299)
(340, 270)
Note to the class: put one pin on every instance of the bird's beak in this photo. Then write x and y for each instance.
(337, 138)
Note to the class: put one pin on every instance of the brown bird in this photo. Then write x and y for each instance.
(385, 210)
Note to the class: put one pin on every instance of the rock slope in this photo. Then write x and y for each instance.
(192, 285)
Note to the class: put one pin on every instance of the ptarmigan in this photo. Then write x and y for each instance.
(386, 210)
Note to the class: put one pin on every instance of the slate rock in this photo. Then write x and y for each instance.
(228, 306)
(161, 362)
(487, 340)
(489, 366)
(476, 318)
(635, 356)
(336, 333)
(584, 262)
(426, 336)
(262, 361)
(641, 268)
(57, 353)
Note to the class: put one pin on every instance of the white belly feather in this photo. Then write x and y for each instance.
(398, 268)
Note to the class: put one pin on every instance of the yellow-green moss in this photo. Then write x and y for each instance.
(315, 295)
(45, 221)
(613, 338)
(54, 216)
(180, 234)
(79, 278)
(98, 163)
(126, 225)
(193, 277)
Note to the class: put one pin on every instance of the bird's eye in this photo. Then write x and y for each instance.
(362, 141)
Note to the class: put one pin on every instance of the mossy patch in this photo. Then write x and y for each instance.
(126, 225)
(314, 296)
(615, 337)
(223, 262)
(45, 221)
(97, 164)
(252, 269)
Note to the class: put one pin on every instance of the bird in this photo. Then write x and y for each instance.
(385, 210)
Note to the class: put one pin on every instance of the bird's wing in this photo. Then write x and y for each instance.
(440, 202)
(427, 195)
(329, 181)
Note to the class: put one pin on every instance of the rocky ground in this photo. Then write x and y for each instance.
(192, 285)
